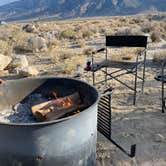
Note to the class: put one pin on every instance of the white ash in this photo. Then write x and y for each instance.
(21, 113)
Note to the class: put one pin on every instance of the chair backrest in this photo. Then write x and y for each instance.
(126, 41)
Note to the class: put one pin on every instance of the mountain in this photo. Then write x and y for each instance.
(2, 2)
(61, 9)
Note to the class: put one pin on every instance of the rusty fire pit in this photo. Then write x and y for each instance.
(68, 141)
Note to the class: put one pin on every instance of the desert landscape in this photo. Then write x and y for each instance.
(61, 48)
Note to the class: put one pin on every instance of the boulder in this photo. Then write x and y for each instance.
(18, 61)
(4, 61)
(27, 71)
(29, 28)
(37, 44)
(51, 35)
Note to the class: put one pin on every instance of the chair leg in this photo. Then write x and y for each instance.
(143, 78)
(162, 87)
(106, 70)
(135, 83)
(93, 77)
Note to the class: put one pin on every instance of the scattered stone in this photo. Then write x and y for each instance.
(159, 138)
(4, 61)
(29, 28)
(37, 44)
(27, 71)
(18, 61)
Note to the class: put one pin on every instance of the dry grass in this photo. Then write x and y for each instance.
(73, 37)
(123, 54)
(159, 56)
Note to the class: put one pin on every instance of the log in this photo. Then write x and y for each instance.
(51, 105)
(59, 113)
(62, 112)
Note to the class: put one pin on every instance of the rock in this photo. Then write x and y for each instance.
(50, 36)
(27, 71)
(3, 23)
(29, 28)
(37, 44)
(18, 61)
(4, 61)
(159, 138)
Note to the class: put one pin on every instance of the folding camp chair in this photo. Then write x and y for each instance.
(125, 67)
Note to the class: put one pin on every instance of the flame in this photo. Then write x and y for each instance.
(68, 102)
(62, 103)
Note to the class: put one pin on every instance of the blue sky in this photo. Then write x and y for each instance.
(3, 2)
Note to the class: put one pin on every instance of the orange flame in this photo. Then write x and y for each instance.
(63, 103)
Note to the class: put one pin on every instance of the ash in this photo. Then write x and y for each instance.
(21, 112)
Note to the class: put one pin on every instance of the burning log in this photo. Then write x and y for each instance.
(63, 111)
(54, 109)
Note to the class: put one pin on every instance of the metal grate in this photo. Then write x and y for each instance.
(105, 121)
(104, 115)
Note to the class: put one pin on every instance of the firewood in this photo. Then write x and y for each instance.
(59, 113)
(48, 106)
(62, 112)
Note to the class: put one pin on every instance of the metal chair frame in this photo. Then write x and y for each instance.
(162, 87)
(119, 42)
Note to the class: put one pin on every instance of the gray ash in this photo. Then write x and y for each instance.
(21, 113)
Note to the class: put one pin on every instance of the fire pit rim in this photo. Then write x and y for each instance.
(58, 120)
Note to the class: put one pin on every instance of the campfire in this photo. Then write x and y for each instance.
(58, 107)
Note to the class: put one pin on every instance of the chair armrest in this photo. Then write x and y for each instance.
(141, 52)
(99, 50)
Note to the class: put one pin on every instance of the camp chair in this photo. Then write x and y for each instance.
(125, 67)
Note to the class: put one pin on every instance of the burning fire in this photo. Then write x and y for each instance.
(58, 107)
(63, 103)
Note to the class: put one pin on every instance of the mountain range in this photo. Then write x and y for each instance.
(63, 9)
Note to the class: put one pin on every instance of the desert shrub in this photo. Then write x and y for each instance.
(68, 34)
(129, 31)
(136, 20)
(80, 43)
(147, 28)
(5, 48)
(159, 56)
(155, 36)
(64, 54)
(103, 30)
(21, 42)
(123, 54)
(88, 51)
(69, 66)
(87, 34)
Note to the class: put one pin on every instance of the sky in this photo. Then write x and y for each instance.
(3, 2)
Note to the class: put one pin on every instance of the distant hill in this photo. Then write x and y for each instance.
(61, 9)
